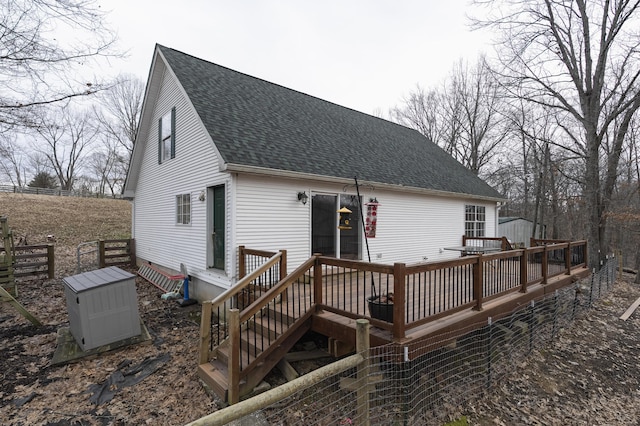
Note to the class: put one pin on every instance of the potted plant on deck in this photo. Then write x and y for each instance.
(381, 306)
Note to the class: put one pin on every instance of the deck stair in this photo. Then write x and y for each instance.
(264, 342)
(163, 280)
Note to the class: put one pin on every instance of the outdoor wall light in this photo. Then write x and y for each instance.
(303, 197)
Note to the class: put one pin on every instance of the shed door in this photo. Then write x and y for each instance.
(326, 238)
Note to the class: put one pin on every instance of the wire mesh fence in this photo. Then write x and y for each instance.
(443, 376)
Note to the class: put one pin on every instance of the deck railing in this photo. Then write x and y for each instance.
(498, 242)
(214, 327)
(408, 296)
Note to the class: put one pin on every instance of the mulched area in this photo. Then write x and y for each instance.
(35, 393)
(589, 375)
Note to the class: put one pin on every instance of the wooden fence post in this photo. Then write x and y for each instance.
(205, 332)
(362, 347)
(477, 282)
(101, 258)
(132, 252)
(234, 356)
(567, 258)
(399, 281)
(51, 262)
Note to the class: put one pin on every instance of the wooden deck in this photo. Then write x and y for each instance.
(246, 331)
(339, 326)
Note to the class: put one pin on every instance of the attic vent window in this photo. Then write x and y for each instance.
(167, 136)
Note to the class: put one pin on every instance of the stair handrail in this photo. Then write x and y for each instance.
(209, 306)
(236, 369)
(241, 284)
(276, 290)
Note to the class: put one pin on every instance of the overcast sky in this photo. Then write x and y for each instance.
(362, 54)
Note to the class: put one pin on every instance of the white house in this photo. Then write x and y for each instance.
(223, 159)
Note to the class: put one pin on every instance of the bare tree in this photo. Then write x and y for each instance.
(64, 139)
(463, 117)
(42, 43)
(420, 112)
(581, 59)
(474, 102)
(123, 105)
(108, 165)
(12, 159)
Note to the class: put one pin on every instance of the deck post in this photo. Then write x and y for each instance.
(317, 280)
(234, 356)
(282, 267)
(545, 264)
(567, 258)
(205, 332)
(477, 282)
(51, 262)
(362, 347)
(241, 263)
(283, 264)
(524, 271)
(399, 305)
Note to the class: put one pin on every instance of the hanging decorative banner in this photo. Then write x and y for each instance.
(372, 218)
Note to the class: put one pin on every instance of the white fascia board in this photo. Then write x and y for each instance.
(287, 174)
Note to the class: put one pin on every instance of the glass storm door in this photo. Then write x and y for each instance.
(326, 238)
(217, 227)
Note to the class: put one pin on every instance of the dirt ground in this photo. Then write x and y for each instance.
(36, 393)
(588, 376)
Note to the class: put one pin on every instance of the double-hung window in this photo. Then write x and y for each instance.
(474, 221)
(167, 136)
(183, 209)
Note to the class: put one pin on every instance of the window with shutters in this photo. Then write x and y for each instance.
(167, 138)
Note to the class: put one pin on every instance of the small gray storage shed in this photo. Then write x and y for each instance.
(519, 230)
(103, 307)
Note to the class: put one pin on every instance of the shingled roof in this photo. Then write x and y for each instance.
(260, 124)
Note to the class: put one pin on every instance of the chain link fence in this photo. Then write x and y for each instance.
(437, 383)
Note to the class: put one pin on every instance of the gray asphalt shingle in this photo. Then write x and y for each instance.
(257, 123)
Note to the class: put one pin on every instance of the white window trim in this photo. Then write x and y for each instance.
(180, 215)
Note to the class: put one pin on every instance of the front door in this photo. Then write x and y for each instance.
(216, 197)
(326, 238)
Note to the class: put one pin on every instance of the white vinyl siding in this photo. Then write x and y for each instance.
(410, 228)
(159, 238)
